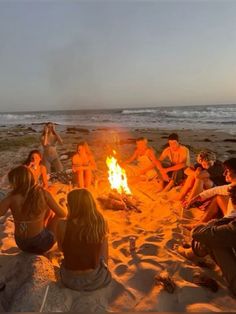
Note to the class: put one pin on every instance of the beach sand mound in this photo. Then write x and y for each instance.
(158, 230)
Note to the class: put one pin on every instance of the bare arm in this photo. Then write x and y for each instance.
(216, 236)
(189, 171)
(44, 139)
(181, 164)
(58, 138)
(5, 205)
(176, 167)
(52, 204)
(158, 165)
(132, 158)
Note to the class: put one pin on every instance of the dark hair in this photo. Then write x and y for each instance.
(31, 153)
(232, 194)
(46, 124)
(230, 164)
(173, 137)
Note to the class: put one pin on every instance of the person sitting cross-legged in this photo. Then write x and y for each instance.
(146, 163)
(175, 158)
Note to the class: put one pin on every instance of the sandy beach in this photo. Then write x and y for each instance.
(158, 230)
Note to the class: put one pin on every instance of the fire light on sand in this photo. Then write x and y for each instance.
(117, 176)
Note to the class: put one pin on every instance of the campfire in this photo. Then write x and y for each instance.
(120, 197)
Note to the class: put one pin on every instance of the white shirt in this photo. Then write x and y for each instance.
(221, 190)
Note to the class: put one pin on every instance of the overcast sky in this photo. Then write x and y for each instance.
(116, 54)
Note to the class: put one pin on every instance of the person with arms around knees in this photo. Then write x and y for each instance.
(146, 162)
(83, 240)
(83, 164)
(220, 203)
(207, 173)
(49, 139)
(34, 210)
(175, 158)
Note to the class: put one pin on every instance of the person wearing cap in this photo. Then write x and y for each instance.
(175, 158)
(205, 174)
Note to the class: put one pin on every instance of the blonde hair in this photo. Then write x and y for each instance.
(23, 183)
(86, 146)
(83, 212)
(206, 155)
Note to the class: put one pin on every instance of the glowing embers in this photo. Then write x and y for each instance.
(117, 176)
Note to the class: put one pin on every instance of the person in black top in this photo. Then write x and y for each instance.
(205, 174)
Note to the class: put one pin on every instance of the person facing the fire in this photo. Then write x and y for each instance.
(83, 239)
(175, 159)
(146, 162)
(83, 164)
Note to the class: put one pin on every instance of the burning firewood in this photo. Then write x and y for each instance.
(117, 201)
(111, 203)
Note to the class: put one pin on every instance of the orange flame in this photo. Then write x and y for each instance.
(117, 176)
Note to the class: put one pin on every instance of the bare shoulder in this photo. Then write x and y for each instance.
(43, 168)
(184, 149)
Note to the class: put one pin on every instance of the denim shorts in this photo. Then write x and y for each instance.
(39, 244)
(98, 278)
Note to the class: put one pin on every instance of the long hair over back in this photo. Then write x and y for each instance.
(23, 183)
(89, 224)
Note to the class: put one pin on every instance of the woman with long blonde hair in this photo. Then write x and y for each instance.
(83, 164)
(34, 210)
(83, 240)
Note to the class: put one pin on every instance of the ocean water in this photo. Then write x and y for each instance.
(218, 117)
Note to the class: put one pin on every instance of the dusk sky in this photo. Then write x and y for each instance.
(116, 54)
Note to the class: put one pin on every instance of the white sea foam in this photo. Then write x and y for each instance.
(202, 117)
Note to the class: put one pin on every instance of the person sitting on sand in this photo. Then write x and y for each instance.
(34, 163)
(175, 158)
(49, 139)
(218, 196)
(217, 238)
(83, 165)
(83, 240)
(207, 173)
(34, 210)
(146, 162)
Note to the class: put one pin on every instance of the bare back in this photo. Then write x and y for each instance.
(27, 226)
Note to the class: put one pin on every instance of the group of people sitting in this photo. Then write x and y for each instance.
(209, 184)
(81, 231)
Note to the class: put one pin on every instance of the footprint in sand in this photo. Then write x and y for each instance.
(117, 243)
(148, 249)
(125, 252)
(155, 238)
(121, 269)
